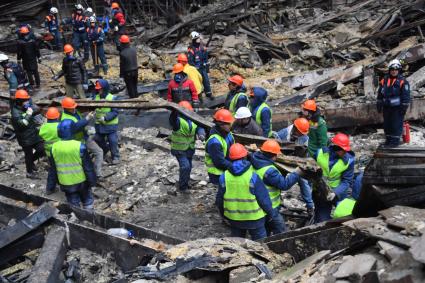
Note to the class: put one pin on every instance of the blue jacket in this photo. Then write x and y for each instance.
(52, 23)
(257, 188)
(214, 149)
(285, 136)
(95, 34)
(347, 177)
(175, 123)
(393, 88)
(242, 100)
(78, 126)
(106, 129)
(260, 96)
(197, 56)
(273, 177)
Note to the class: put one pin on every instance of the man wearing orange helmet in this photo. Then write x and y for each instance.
(242, 197)
(191, 72)
(117, 23)
(28, 52)
(79, 24)
(181, 88)
(218, 144)
(128, 66)
(236, 97)
(318, 132)
(49, 130)
(185, 132)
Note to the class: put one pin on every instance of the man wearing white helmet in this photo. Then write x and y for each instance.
(244, 124)
(96, 38)
(52, 25)
(14, 74)
(79, 24)
(393, 101)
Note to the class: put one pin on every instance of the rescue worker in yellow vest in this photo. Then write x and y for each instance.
(263, 164)
(218, 144)
(185, 132)
(71, 167)
(337, 163)
(106, 124)
(261, 111)
(242, 197)
(236, 97)
(49, 130)
(346, 206)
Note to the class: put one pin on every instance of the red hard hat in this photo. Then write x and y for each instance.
(224, 115)
(302, 125)
(68, 48)
(114, 5)
(68, 103)
(98, 86)
(237, 80)
(271, 146)
(237, 151)
(21, 94)
(186, 104)
(342, 140)
(24, 30)
(310, 105)
(178, 68)
(182, 58)
(124, 39)
(52, 113)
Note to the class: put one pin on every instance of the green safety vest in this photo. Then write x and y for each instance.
(49, 133)
(239, 203)
(234, 101)
(78, 136)
(208, 160)
(344, 208)
(101, 112)
(258, 117)
(184, 138)
(69, 166)
(273, 192)
(333, 177)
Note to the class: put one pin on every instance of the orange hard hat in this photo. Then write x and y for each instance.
(68, 48)
(224, 115)
(182, 58)
(124, 39)
(342, 140)
(21, 94)
(178, 68)
(68, 103)
(271, 146)
(237, 80)
(98, 85)
(24, 30)
(302, 125)
(237, 151)
(115, 5)
(186, 104)
(52, 113)
(310, 105)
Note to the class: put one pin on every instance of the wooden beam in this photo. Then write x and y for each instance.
(33, 240)
(368, 86)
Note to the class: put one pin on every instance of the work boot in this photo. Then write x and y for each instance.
(115, 161)
(105, 69)
(310, 211)
(32, 176)
(96, 71)
(48, 192)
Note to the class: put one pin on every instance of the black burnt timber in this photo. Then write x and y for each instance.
(407, 196)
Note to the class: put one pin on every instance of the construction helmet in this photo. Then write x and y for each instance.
(68, 103)
(24, 30)
(89, 9)
(194, 35)
(52, 113)
(53, 10)
(243, 112)
(394, 65)
(310, 105)
(182, 58)
(178, 68)
(342, 140)
(79, 7)
(237, 80)
(237, 151)
(186, 104)
(124, 39)
(3, 58)
(114, 5)
(224, 116)
(68, 48)
(271, 146)
(302, 125)
(22, 94)
(92, 19)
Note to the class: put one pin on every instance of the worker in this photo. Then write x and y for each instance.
(218, 144)
(318, 132)
(263, 163)
(337, 164)
(393, 101)
(117, 23)
(261, 110)
(128, 66)
(89, 12)
(52, 25)
(71, 167)
(75, 74)
(30, 34)
(181, 88)
(28, 52)
(24, 124)
(192, 73)
(346, 206)
(185, 132)
(236, 97)
(49, 130)
(244, 124)
(198, 57)
(242, 197)
(79, 24)
(106, 124)
(96, 38)
(14, 75)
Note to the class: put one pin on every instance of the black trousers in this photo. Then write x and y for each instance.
(33, 75)
(393, 124)
(31, 156)
(130, 79)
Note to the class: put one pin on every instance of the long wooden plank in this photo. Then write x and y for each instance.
(33, 240)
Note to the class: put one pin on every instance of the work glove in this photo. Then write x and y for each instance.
(379, 106)
(101, 120)
(115, 28)
(196, 105)
(85, 87)
(29, 111)
(200, 137)
(39, 60)
(331, 196)
(90, 116)
(90, 131)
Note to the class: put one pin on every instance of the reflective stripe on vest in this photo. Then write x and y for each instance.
(333, 176)
(234, 101)
(184, 138)
(208, 160)
(258, 117)
(101, 112)
(69, 166)
(239, 203)
(49, 133)
(273, 192)
(344, 208)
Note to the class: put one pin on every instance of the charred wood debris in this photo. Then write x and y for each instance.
(335, 51)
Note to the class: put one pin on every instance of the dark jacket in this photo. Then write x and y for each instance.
(215, 150)
(394, 92)
(128, 59)
(251, 128)
(257, 188)
(28, 52)
(242, 100)
(107, 129)
(260, 96)
(74, 70)
(197, 55)
(181, 88)
(25, 127)
(95, 35)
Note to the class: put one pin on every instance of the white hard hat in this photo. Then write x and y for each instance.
(92, 19)
(79, 7)
(89, 9)
(394, 64)
(243, 112)
(54, 10)
(194, 35)
(3, 57)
